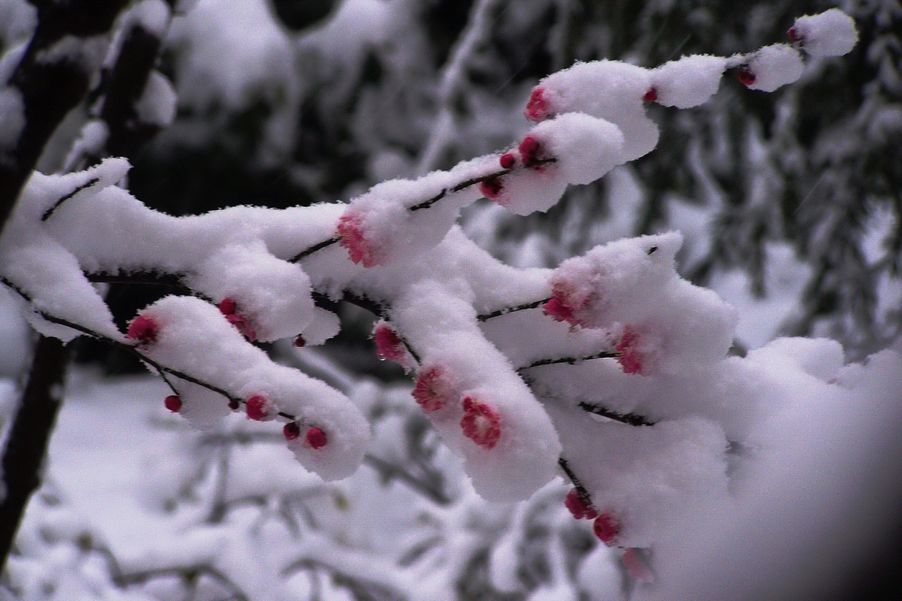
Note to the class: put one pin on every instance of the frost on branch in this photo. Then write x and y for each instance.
(611, 367)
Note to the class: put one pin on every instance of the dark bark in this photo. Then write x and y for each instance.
(29, 437)
(50, 86)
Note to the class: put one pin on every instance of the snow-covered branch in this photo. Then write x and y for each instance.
(521, 371)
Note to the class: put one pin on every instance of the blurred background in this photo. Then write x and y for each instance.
(790, 204)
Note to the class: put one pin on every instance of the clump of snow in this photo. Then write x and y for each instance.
(383, 225)
(150, 15)
(525, 455)
(157, 104)
(273, 294)
(609, 90)
(830, 33)
(689, 81)
(186, 325)
(90, 142)
(619, 281)
(775, 66)
(212, 69)
(583, 148)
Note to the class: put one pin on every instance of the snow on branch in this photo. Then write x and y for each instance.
(611, 367)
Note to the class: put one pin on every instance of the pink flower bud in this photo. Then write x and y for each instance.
(607, 528)
(491, 187)
(315, 438)
(508, 160)
(353, 238)
(578, 506)
(291, 431)
(144, 329)
(227, 306)
(746, 76)
(651, 95)
(173, 402)
(389, 344)
(530, 151)
(537, 108)
(259, 408)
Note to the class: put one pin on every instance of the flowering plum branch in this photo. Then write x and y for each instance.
(256, 274)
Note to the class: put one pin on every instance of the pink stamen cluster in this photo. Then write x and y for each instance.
(481, 422)
(433, 389)
(259, 408)
(537, 108)
(143, 329)
(579, 506)
(389, 344)
(353, 238)
(607, 528)
(631, 358)
(229, 308)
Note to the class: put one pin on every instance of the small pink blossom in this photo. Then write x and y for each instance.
(631, 357)
(353, 238)
(433, 389)
(566, 302)
(537, 108)
(578, 506)
(144, 329)
(481, 422)
(389, 344)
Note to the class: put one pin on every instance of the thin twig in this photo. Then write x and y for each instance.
(47, 214)
(506, 310)
(631, 419)
(570, 360)
(577, 483)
